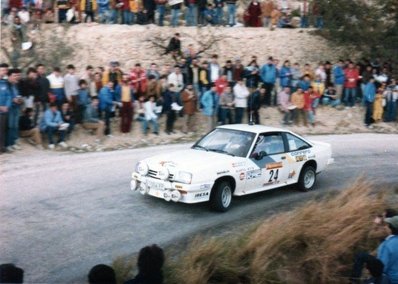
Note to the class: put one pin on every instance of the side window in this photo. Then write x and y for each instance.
(270, 144)
(296, 143)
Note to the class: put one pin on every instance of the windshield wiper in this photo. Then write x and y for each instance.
(221, 151)
(200, 147)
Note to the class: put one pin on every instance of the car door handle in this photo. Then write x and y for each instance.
(283, 157)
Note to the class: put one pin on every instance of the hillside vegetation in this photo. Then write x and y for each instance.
(314, 243)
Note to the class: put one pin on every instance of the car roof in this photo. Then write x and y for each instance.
(256, 128)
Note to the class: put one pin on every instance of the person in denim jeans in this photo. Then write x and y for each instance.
(231, 8)
(51, 124)
(191, 13)
(175, 14)
(219, 6)
(369, 97)
(11, 102)
(161, 9)
(103, 11)
(351, 79)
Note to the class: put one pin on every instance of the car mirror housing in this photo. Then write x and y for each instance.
(259, 156)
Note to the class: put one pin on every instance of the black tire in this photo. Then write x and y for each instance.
(307, 179)
(221, 197)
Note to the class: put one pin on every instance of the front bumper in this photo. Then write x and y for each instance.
(170, 190)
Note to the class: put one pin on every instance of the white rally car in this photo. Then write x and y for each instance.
(232, 160)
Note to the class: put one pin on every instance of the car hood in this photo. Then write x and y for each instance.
(191, 160)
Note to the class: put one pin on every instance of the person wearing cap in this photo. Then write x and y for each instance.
(387, 251)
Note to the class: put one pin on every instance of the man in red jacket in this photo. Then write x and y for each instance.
(350, 85)
(138, 80)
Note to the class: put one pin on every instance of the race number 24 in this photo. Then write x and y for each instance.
(273, 175)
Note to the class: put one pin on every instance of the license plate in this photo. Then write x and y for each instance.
(155, 185)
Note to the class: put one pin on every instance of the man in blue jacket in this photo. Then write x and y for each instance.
(339, 79)
(10, 103)
(268, 74)
(51, 124)
(209, 101)
(387, 251)
(107, 97)
(5, 102)
(369, 98)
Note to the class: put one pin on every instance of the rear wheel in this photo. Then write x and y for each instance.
(221, 196)
(307, 178)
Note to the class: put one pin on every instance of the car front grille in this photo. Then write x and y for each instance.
(154, 174)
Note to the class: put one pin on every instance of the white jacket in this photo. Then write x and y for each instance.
(150, 110)
(177, 80)
(241, 93)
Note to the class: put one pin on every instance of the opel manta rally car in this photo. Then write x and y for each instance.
(232, 160)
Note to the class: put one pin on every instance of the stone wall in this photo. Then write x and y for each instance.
(98, 44)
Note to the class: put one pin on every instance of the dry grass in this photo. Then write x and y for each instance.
(313, 244)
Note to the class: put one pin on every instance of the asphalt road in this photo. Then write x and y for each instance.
(62, 213)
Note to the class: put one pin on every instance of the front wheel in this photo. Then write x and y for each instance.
(307, 179)
(221, 197)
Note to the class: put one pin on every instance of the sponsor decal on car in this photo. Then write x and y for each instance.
(201, 194)
(223, 172)
(292, 174)
(167, 163)
(253, 174)
(242, 176)
(272, 166)
(301, 158)
(301, 152)
(238, 164)
(205, 186)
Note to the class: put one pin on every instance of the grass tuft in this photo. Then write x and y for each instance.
(314, 243)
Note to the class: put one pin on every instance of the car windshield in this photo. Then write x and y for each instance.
(226, 141)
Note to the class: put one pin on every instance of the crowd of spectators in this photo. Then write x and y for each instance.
(268, 13)
(149, 263)
(52, 104)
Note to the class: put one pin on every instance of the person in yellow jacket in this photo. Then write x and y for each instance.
(135, 8)
(113, 74)
(318, 85)
(298, 100)
(89, 7)
(266, 8)
(275, 15)
(378, 105)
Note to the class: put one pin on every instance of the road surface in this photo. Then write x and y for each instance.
(62, 213)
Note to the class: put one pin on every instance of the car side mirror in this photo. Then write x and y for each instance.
(259, 156)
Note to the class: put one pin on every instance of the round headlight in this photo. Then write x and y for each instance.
(142, 168)
(163, 173)
(175, 195)
(167, 195)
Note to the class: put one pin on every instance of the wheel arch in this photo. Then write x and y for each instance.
(311, 163)
(229, 179)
